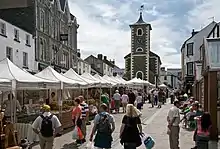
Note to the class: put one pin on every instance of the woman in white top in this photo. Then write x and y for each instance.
(124, 101)
(139, 101)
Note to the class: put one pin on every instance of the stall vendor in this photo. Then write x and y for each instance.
(11, 107)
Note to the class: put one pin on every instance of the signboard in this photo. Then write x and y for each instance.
(63, 37)
(213, 54)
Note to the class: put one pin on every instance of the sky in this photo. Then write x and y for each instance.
(104, 25)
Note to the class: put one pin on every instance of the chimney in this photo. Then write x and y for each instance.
(194, 32)
(100, 56)
(78, 53)
(105, 57)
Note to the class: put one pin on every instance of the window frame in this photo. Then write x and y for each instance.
(142, 32)
(3, 28)
(16, 34)
(9, 54)
(28, 40)
(25, 59)
(188, 52)
(187, 68)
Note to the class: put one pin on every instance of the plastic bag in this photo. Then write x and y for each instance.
(80, 134)
(75, 135)
(90, 145)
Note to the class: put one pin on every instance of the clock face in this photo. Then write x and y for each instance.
(139, 41)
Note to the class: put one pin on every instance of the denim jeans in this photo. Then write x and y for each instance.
(129, 145)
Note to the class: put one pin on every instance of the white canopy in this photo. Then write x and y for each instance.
(5, 84)
(121, 79)
(136, 81)
(162, 86)
(22, 79)
(119, 82)
(74, 76)
(50, 73)
(95, 80)
(103, 80)
(109, 79)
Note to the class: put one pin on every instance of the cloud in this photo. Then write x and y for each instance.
(104, 25)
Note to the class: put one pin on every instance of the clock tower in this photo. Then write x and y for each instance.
(140, 48)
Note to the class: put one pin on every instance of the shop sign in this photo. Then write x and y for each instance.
(213, 54)
(63, 37)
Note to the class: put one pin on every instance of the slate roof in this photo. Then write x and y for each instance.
(21, 17)
(141, 21)
(62, 4)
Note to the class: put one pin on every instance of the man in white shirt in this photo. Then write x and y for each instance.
(46, 126)
(117, 98)
(173, 120)
(124, 101)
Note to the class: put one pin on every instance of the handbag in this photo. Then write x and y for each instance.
(148, 141)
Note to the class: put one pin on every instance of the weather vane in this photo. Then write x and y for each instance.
(141, 8)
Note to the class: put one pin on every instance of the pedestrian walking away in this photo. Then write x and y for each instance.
(124, 101)
(85, 116)
(104, 125)
(77, 116)
(173, 120)
(131, 128)
(117, 99)
(47, 126)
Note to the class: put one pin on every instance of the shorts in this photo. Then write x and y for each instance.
(117, 104)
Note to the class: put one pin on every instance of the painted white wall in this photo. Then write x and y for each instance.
(83, 67)
(198, 41)
(107, 70)
(18, 47)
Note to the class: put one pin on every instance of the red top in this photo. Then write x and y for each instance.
(76, 111)
(200, 131)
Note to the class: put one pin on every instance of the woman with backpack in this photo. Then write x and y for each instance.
(104, 125)
(131, 128)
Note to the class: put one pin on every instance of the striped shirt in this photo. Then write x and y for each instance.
(85, 109)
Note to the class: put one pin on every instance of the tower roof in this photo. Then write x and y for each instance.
(141, 21)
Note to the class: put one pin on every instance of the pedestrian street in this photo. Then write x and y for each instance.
(154, 124)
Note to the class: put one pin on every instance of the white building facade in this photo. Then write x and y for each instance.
(83, 67)
(18, 46)
(107, 69)
(190, 52)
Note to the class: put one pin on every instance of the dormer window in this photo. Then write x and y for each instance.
(139, 49)
(139, 32)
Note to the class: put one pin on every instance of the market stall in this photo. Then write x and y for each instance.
(19, 80)
(59, 105)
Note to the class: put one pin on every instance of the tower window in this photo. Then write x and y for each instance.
(139, 49)
(139, 32)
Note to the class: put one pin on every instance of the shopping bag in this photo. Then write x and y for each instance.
(90, 145)
(80, 134)
(148, 141)
(75, 135)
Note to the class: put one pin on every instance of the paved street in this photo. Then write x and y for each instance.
(155, 125)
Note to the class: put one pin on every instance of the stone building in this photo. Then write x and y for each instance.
(101, 64)
(141, 62)
(140, 49)
(154, 68)
(53, 27)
